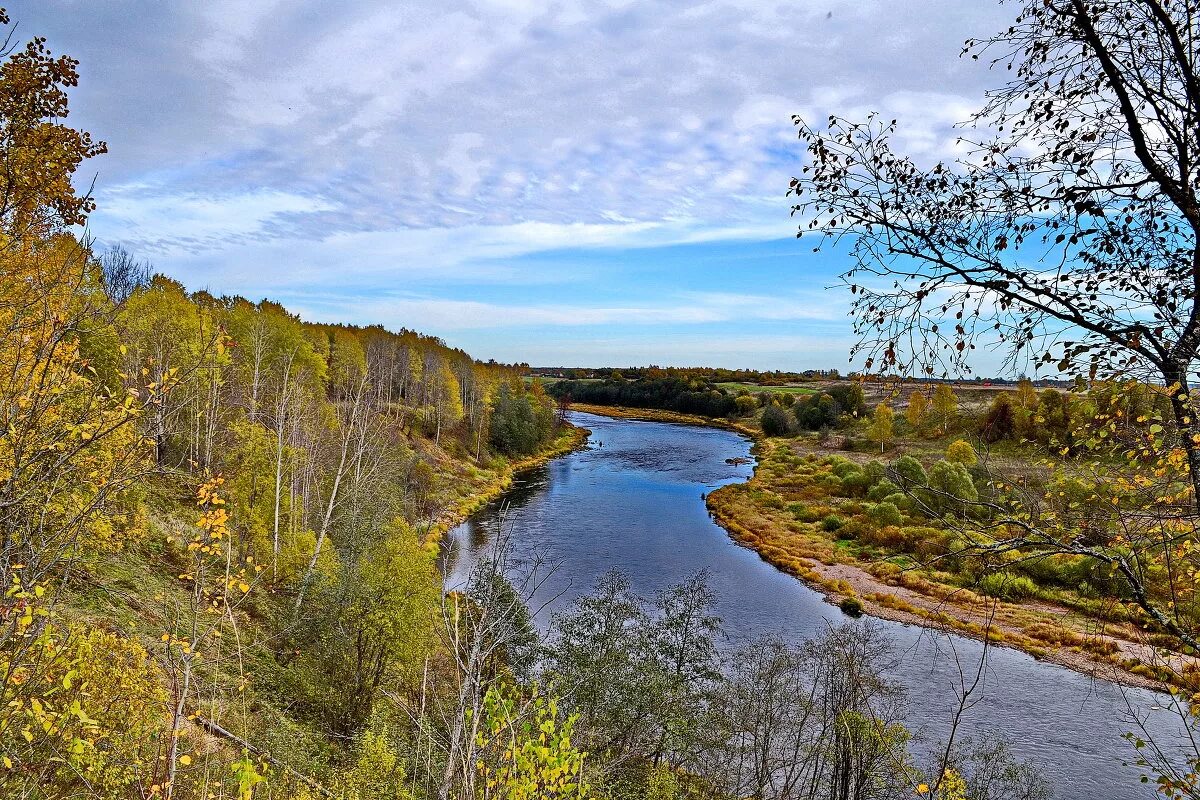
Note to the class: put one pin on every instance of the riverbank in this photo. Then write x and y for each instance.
(755, 515)
(490, 484)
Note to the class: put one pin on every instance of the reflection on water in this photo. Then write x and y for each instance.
(634, 500)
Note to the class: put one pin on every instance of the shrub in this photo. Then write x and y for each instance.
(745, 405)
(961, 452)
(875, 470)
(851, 606)
(842, 467)
(885, 514)
(909, 472)
(952, 488)
(774, 421)
(882, 489)
(890, 537)
(1007, 586)
(832, 522)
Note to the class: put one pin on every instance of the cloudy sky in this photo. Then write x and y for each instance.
(595, 183)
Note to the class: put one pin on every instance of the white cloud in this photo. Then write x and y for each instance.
(263, 147)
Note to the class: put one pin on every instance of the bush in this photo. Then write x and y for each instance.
(952, 488)
(842, 467)
(774, 421)
(832, 522)
(851, 606)
(875, 470)
(900, 500)
(745, 405)
(1007, 586)
(909, 472)
(885, 514)
(857, 484)
(882, 489)
(961, 452)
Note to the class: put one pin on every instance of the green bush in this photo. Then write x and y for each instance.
(832, 522)
(1006, 586)
(775, 421)
(883, 488)
(885, 514)
(851, 606)
(909, 472)
(843, 467)
(875, 470)
(901, 501)
(856, 484)
(952, 488)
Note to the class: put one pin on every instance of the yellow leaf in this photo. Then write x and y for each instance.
(185, 759)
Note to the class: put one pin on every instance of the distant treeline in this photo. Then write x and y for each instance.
(762, 378)
(669, 393)
(705, 374)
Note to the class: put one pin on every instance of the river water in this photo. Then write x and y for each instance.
(633, 500)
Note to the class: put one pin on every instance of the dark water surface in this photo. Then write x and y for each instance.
(633, 501)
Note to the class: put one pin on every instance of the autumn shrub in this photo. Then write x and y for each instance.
(890, 537)
(85, 713)
(745, 405)
(961, 452)
(931, 543)
(851, 606)
(1006, 586)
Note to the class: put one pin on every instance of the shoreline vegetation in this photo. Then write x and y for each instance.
(569, 439)
(1047, 631)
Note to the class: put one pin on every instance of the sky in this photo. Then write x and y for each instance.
(560, 183)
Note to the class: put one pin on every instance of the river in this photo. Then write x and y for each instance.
(633, 500)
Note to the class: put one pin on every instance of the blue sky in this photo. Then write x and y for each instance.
(591, 183)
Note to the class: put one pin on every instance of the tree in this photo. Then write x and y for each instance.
(882, 426)
(1000, 421)
(602, 665)
(945, 406)
(1071, 237)
(38, 153)
(918, 409)
(1026, 394)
